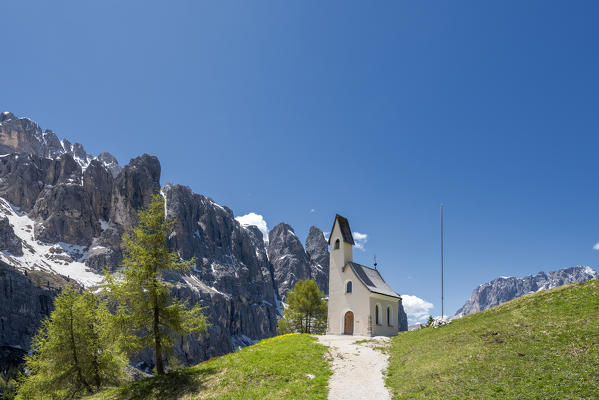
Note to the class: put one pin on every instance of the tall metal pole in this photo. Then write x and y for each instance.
(442, 298)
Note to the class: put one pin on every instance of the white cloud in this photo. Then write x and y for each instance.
(417, 309)
(360, 239)
(596, 246)
(254, 219)
(312, 210)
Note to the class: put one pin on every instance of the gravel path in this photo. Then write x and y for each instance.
(357, 367)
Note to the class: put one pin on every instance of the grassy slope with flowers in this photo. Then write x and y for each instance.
(284, 367)
(540, 346)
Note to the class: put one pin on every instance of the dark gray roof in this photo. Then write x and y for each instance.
(372, 279)
(345, 231)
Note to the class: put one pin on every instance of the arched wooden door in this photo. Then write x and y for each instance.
(348, 325)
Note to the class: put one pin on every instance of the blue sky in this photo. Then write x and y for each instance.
(380, 112)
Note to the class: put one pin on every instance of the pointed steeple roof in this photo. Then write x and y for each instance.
(345, 230)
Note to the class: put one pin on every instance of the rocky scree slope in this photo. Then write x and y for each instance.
(504, 289)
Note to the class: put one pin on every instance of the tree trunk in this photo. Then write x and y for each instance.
(96, 361)
(157, 344)
(74, 350)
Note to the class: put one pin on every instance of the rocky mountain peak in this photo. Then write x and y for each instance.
(288, 258)
(315, 242)
(317, 249)
(109, 163)
(283, 232)
(24, 135)
(6, 115)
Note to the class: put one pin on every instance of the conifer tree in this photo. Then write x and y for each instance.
(72, 352)
(146, 315)
(430, 321)
(306, 310)
(8, 383)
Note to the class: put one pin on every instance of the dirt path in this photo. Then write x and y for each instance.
(357, 367)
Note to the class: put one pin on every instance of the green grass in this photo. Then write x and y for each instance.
(275, 368)
(540, 346)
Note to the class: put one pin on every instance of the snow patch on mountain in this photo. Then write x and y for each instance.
(61, 258)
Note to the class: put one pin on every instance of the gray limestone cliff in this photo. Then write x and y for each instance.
(230, 271)
(25, 298)
(133, 189)
(8, 240)
(402, 318)
(289, 260)
(505, 289)
(25, 136)
(63, 212)
(317, 249)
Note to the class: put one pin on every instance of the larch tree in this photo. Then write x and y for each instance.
(72, 354)
(146, 315)
(306, 310)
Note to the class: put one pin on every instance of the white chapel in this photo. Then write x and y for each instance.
(360, 301)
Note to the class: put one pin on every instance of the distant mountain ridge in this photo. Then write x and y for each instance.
(506, 288)
(24, 135)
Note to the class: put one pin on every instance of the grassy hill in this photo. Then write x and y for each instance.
(274, 368)
(540, 346)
